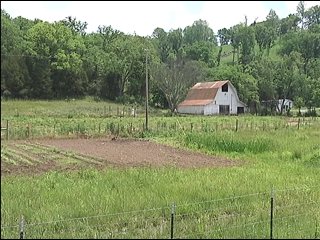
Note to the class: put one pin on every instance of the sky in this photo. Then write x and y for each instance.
(142, 17)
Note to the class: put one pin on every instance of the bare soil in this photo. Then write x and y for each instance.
(115, 153)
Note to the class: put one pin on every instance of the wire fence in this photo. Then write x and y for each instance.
(135, 126)
(284, 213)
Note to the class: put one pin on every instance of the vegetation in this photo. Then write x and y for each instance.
(58, 81)
(137, 202)
(276, 58)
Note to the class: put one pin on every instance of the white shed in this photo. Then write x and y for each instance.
(208, 98)
(287, 104)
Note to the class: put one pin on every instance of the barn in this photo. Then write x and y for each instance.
(209, 98)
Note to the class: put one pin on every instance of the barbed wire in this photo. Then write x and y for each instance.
(98, 216)
(297, 205)
(226, 228)
(222, 199)
(161, 208)
(13, 226)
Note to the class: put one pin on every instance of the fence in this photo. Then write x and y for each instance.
(275, 214)
(6, 128)
(136, 126)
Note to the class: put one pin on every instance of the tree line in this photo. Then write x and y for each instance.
(265, 61)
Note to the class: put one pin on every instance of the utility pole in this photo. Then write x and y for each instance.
(147, 89)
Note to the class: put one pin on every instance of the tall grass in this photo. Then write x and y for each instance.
(227, 142)
(208, 200)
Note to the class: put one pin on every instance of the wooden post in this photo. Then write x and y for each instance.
(172, 220)
(298, 123)
(237, 125)
(21, 228)
(271, 213)
(7, 130)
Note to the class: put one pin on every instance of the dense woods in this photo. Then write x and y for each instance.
(265, 61)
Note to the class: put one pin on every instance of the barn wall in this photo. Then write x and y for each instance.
(227, 98)
(191, 109)
(211, 109)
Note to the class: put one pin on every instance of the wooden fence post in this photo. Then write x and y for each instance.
(172, 220)
(7, 131)
(237, 125)
(271, 213)
(21, 228)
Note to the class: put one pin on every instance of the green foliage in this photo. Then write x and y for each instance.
(245, 83)
(60, 60)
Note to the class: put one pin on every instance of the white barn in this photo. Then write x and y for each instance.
(209, 98)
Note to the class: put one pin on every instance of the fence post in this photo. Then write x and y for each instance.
(237, 125)
(271, 213)
(21, 228)
(316, 232)
(172, 219)
(7, 131)
(298, 123)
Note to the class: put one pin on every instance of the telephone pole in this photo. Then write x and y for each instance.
(147, 89)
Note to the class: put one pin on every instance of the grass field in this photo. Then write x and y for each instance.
(224, 202)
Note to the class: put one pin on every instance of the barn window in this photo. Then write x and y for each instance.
(225, 88)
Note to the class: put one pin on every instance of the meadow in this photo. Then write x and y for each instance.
(279, 159)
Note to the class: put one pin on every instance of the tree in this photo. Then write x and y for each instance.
(200, 51)
(199, 31)
(298, 102)
(288, 24)
(312, 16)
(247, 42)
(108, 35)
(161, 42)
(77, 27)
(224, 39)
(272, 21)
(264, 71)
(235, 40)
(288, 72)
(305, 42)
(301, 13)
(174, 79)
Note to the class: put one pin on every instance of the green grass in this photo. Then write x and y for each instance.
(208, 201)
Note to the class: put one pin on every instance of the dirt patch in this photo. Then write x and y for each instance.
(119, 153)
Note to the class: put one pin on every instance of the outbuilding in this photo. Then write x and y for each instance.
(209, 98)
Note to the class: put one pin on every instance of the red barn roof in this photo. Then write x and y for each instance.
(202, 93)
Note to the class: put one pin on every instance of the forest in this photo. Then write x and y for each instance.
(265, 61)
